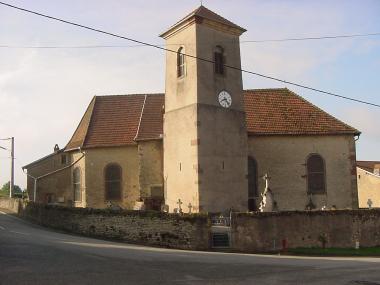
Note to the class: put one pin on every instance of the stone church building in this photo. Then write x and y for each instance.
(205, 144)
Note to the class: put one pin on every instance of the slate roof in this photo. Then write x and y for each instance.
(118, 120)
(203, 12)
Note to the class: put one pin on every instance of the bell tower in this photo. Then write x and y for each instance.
(205, 137)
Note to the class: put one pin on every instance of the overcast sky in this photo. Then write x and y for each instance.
(44, 92)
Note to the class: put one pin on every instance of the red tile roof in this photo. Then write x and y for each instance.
(282, 112)
(151, 124)
(368, 165)
(119, 120)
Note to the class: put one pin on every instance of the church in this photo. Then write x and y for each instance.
(206, 144)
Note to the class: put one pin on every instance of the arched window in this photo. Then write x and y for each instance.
(252, 184)
(113, 178)
(76, 184)
(219, 60)
(316, 174)
(180, 62)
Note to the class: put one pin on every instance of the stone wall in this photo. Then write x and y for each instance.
(258, 232)
(150, 167)
(96, 161)
(284, 159)
(265, 232)
(148, 228)
(13, 205)
(368, 188)
(54, 183)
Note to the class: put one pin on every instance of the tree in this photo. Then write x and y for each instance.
(4, 191)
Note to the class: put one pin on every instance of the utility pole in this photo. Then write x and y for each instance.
(12, 182)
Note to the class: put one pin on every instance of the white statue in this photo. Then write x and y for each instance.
(267, 202)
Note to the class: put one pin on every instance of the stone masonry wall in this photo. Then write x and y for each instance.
(148, 228)
(265, 232)
(13, 205)
(284, 159)
(368, 188)
(250, 232)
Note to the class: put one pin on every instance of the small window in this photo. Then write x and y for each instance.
(180, 62)
(316, 181)
(113, 178)
(76, 185)
(219, 60)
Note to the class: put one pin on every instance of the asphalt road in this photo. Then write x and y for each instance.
(30, 254)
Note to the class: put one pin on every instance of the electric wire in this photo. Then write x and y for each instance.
(142, 45)
(190, 56)
(243, 41)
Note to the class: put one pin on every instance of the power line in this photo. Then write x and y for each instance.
(187, 55)
(313, 38)
(142, 45)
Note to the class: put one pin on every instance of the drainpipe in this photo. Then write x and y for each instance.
(34, 184)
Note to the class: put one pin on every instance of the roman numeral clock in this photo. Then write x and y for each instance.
(225, 99)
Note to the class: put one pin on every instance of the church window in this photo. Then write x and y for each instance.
(76, 184)
(219, 60)
(180, 62)
(316, 181)
(113, 177)
(63, 159)
(252, 184)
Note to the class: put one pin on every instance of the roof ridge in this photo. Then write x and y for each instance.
(205, 13)
(131, 94)
(264, 89)
(225, 21)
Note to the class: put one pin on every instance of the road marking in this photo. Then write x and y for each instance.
(2, 228)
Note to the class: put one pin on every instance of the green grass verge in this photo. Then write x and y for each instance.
(365, 251)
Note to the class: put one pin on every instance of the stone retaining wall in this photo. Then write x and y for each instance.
(258, 232)
(12, 205)
(265, 232)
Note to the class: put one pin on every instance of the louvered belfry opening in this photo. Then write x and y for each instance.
(316, 181)
(180, 62)
(219, 60)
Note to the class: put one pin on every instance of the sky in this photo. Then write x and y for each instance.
(44, 92)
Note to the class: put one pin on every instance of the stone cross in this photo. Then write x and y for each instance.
(179, 205)
(190, 207)
(266, 178)
(369, 203)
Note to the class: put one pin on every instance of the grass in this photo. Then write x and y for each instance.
(315, 251)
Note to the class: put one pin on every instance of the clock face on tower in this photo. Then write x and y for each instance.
(225, 99)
